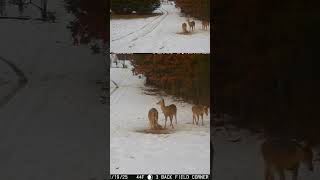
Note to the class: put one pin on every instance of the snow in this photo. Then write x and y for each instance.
(185, 150)
(159, 34)
(243, 159)
(54, 127)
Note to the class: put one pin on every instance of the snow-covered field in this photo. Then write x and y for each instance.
(185, 150)
(54, 128)
(159, 34)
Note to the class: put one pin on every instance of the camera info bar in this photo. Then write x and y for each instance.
(160, 176)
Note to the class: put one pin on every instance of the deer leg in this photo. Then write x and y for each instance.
(165, 122)
(197, 119)
(193, 118)
(171, 117)
(175, 116)
(202, 118)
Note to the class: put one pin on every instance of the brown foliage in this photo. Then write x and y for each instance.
(199, 8)
(183, 75)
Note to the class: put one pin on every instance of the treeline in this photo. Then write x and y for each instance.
(90, 22)
(198, 9)
(265, 72)
(128, 6)
(185, 76)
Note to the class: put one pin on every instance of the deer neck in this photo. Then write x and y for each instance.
(163, 107)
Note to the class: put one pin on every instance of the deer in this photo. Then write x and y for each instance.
(280, 155)
(153, 119)
(205, 24)
(168, 111)
(184, 28)
(198, 110)
(192, 24)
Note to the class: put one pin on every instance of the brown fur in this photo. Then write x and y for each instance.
(168, 111)
(205, 24)
(184, 28)
(281, 155)
(192, 25)
(153, 119)
(198, 110)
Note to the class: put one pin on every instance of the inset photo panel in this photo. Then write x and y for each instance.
(160, 26)
(159, 114)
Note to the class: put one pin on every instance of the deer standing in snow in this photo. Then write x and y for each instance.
(205, 24)
(198, 110)
(192, 24)
(168, 111)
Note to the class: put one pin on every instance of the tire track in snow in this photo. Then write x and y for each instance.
(153, 27)
(114, 93)
(150, 27)
(116, 39)
(114, 88)
(21, 82)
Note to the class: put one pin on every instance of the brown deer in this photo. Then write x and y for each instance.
(205, 24)
(198, 110)
(168, 111)
(192, 24)
(280, 155)
(153, 119)
(184, 28)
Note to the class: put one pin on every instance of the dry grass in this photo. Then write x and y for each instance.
(133, 16)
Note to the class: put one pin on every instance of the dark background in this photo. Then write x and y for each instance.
(265, 65)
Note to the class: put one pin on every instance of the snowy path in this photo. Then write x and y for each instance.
(55, 127)
(186, 150)
(144, 30)
(157, 34)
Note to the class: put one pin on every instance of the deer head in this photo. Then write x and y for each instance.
(161, 102)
